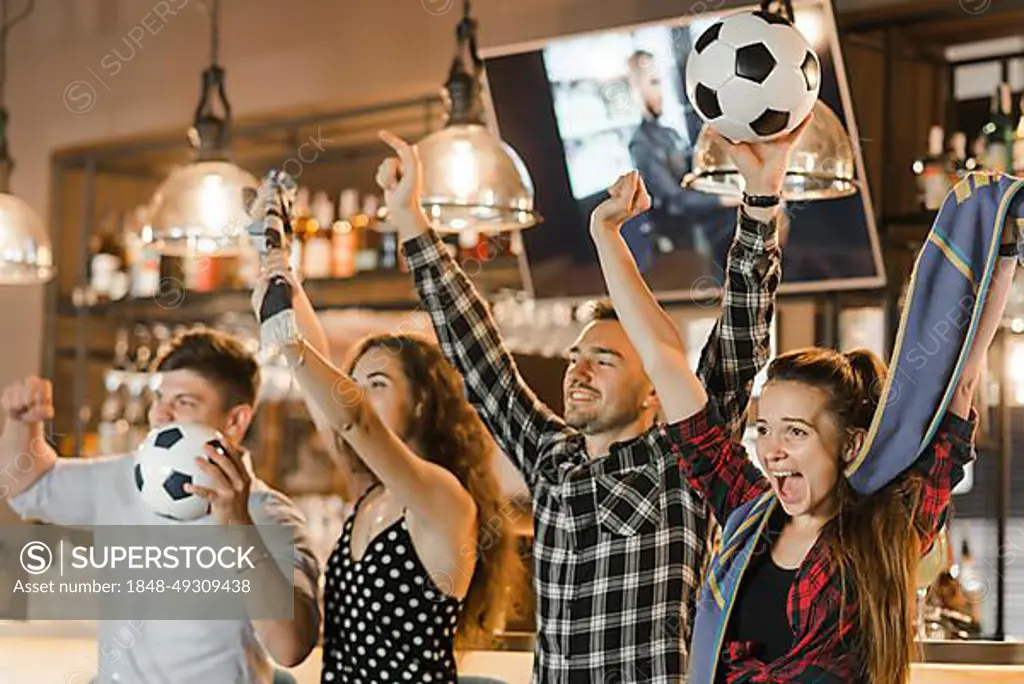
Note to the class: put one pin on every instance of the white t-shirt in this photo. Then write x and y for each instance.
(101, 491)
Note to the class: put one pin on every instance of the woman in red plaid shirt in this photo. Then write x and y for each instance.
(812, 583)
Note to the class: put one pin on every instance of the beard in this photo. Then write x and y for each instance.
(595, 421)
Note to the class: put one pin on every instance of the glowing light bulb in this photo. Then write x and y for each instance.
(1014, 372)
(461, 170)
(213, 205)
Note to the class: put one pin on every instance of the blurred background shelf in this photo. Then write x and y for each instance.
(379, 290)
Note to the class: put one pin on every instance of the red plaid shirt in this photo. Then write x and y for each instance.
(721, 471)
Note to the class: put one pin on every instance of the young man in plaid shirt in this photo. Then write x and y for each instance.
(620, 540)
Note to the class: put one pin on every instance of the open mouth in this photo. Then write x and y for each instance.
(788, 483)
(581, 396)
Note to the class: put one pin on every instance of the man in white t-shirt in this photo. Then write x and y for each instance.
(204, 377)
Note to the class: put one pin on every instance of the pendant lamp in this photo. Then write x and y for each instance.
(197, 208)
(822, 165)
(26, 256)
(471, 178)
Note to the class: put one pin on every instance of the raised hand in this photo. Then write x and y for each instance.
(401, 180)
(763, 164)
(627, 198)
(28, 401)
(273, 263)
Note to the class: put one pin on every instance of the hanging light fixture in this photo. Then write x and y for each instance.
(822, 164)
(197, 207)
(471, 178)
(26, 255)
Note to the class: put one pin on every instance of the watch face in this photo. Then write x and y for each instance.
(760, 200)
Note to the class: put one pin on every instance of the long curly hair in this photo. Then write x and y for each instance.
(455, 438)
(870, 536)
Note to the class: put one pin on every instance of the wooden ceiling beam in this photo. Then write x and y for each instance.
(918, 13)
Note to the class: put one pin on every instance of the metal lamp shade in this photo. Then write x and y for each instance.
(26, 256)
(472, 179)
(822, 165)
(200, 209)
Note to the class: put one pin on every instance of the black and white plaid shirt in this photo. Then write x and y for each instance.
(620, 541)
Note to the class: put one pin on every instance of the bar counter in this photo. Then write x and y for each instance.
(65, 653)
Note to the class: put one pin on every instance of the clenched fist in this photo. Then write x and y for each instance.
(628, 198)
(28, 401)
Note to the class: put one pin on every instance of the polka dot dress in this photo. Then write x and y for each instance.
(385, 620)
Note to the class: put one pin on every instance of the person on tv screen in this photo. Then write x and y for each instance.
(679, 218)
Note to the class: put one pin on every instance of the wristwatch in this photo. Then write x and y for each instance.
(761, 200)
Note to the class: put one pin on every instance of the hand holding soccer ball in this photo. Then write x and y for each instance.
(763, 164)
(185, 471)
(230, 481)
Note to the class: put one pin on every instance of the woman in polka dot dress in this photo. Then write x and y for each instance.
(423, 567)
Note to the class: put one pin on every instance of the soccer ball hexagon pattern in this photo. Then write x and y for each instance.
(752, 76)
(165, 463)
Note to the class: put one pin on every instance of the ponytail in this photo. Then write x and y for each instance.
(869, 374)
(876, 548)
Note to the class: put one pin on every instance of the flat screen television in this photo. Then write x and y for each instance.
(568, 106)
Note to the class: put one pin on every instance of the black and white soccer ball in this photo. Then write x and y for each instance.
(165, 463)
(752, 76)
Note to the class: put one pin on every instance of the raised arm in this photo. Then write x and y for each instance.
(739, 345)
(525, 429)
(715, 464)
(25, 455)
(942, 464)
(430, 492)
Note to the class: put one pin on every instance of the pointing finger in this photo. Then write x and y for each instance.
(404, 150)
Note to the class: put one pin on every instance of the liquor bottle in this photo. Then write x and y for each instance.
(112, 429)
(317, 250)
(959, 164)
(136, 410)
(365, 225)
(999, 132)
(932, 177)
(108, 255)
(979, 153)
(1018, 143)
(145, 270)
(161, 338)
(389, 259)
(344, 238)
(300, 213)
(972, 583)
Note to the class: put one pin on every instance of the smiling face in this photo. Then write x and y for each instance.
(605, 388)
(800, 446)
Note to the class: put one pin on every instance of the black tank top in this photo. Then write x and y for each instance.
(760, 614)
(384, 618)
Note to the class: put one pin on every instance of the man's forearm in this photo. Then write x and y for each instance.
(648, 327)
(289, 641)
(740, 343)
(25, 456)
